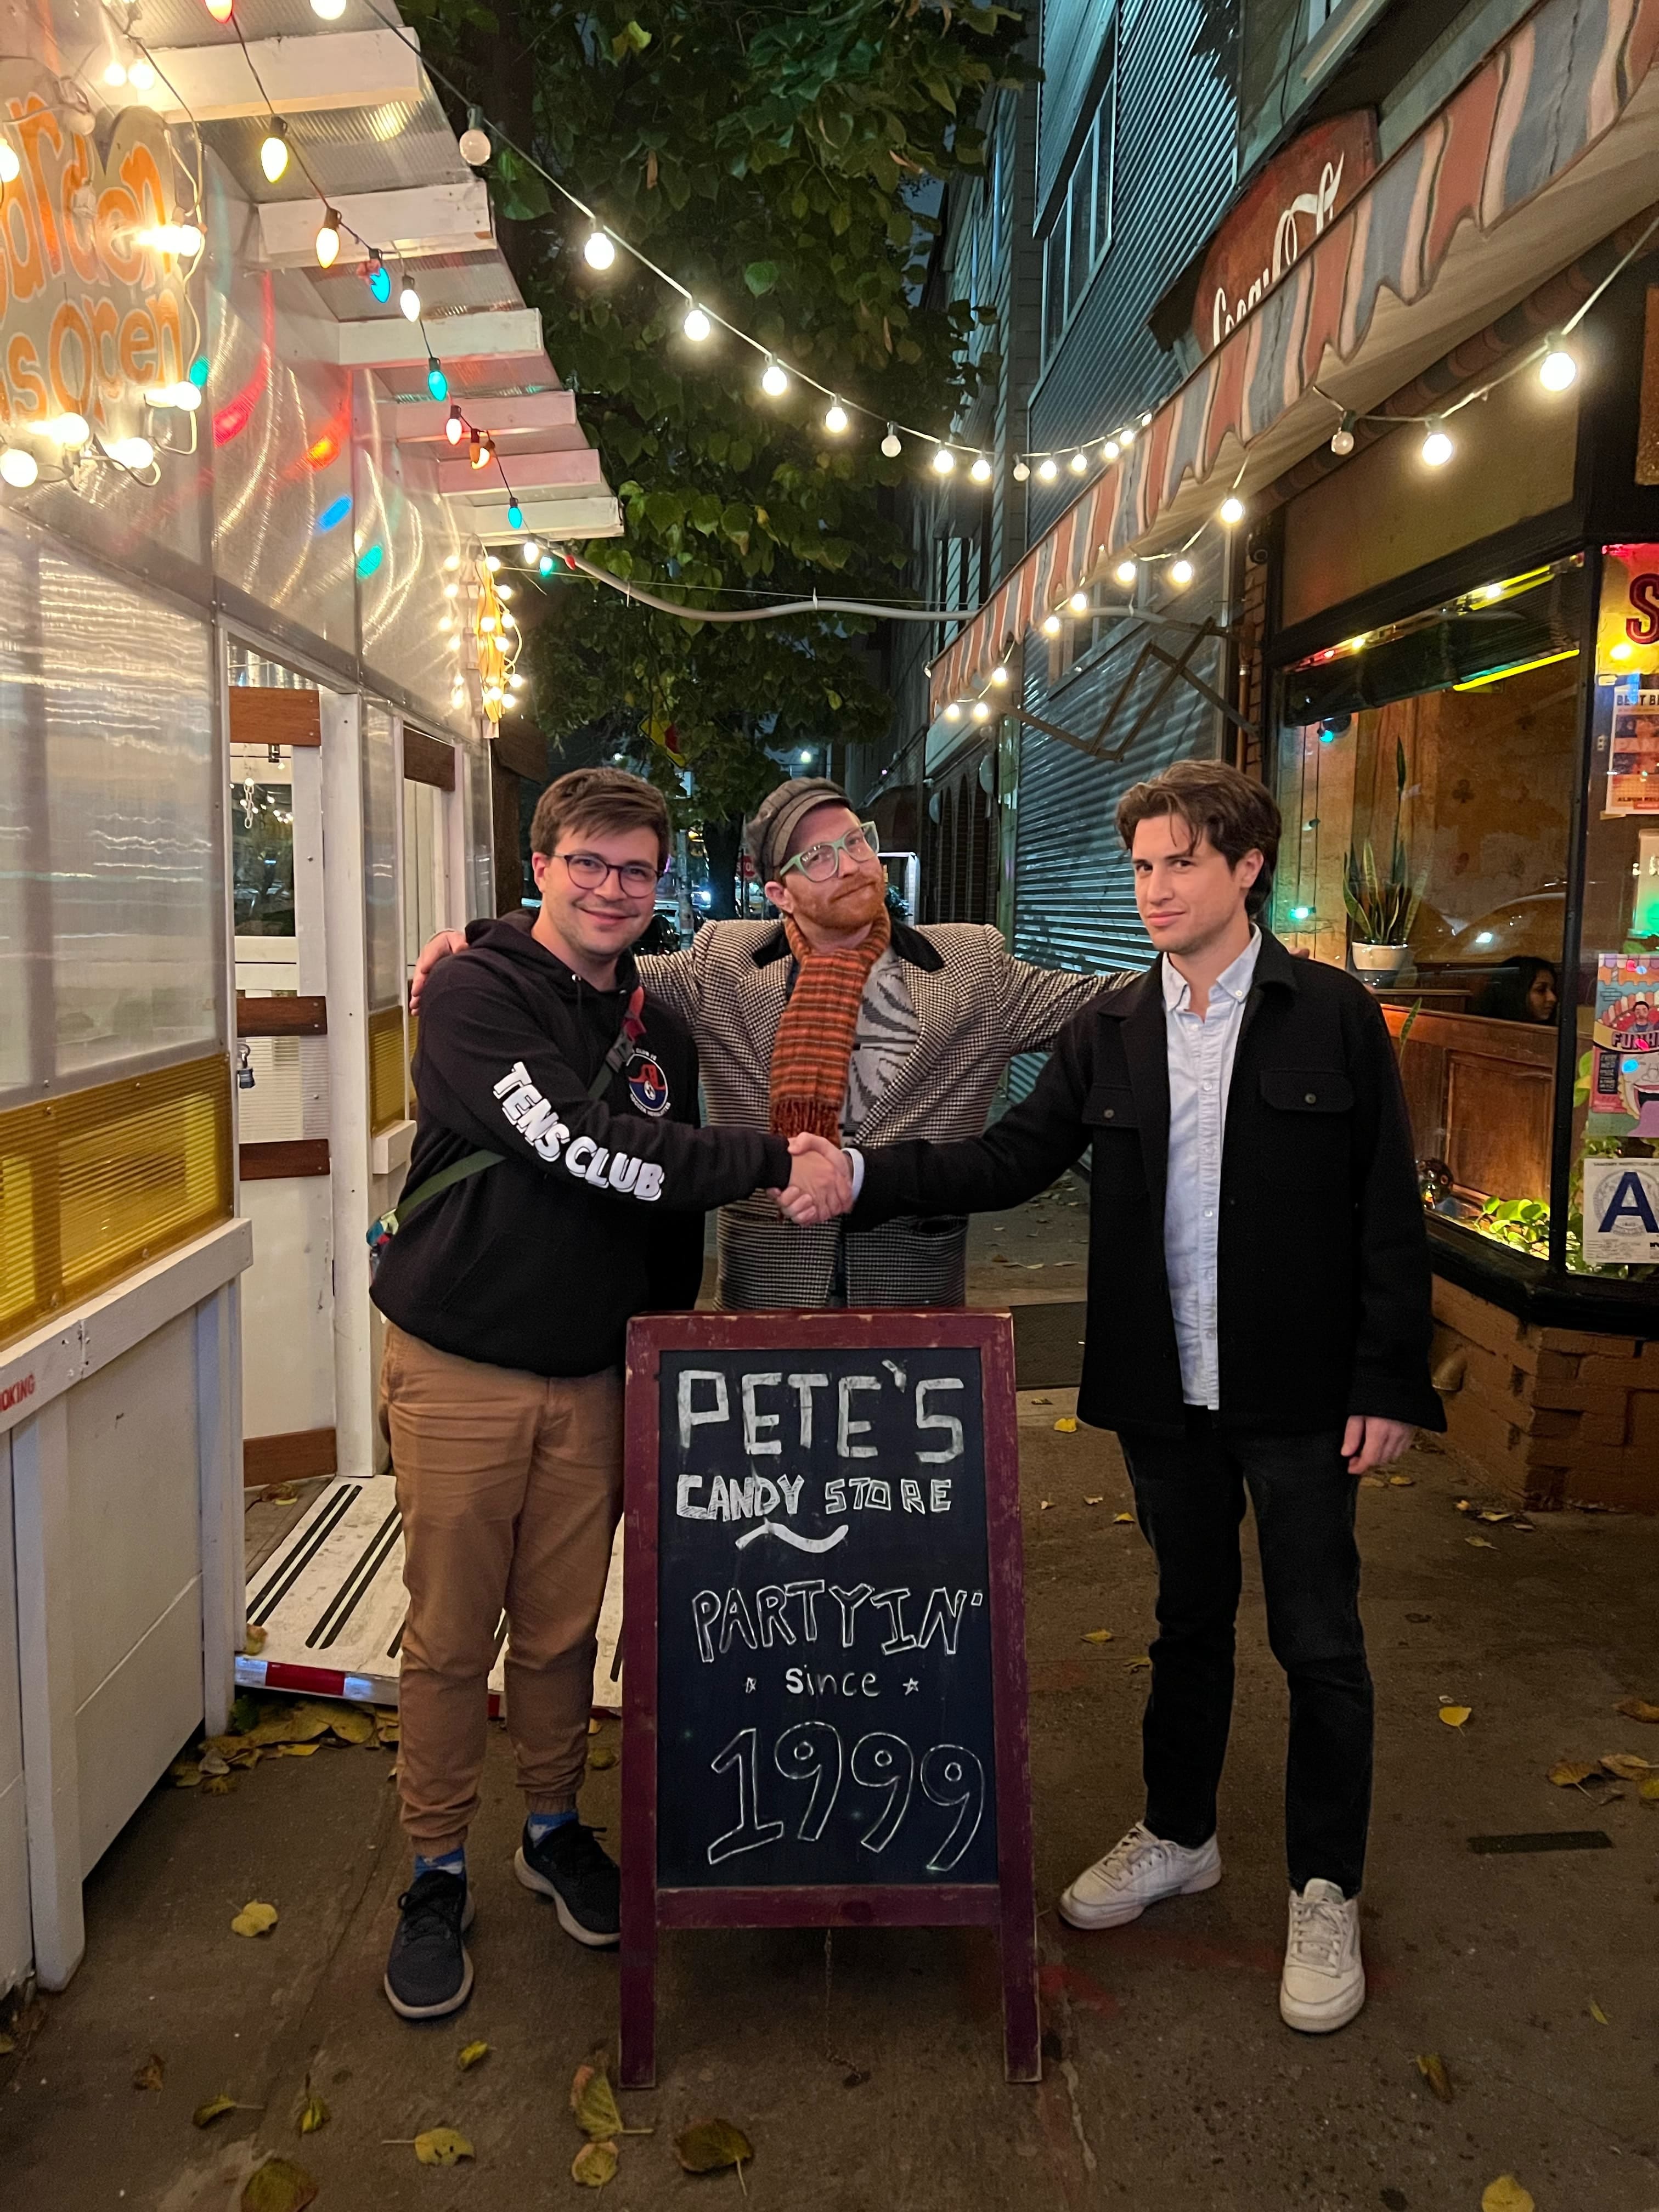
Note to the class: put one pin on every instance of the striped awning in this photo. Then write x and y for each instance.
(1550, 145)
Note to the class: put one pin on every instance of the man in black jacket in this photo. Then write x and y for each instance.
(556, 1150)
(1258, 1322)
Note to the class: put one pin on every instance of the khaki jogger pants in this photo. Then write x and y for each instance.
(510, 1488)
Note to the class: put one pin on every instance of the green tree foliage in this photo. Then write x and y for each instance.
(775, 160)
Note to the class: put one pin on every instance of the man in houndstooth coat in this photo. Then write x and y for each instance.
(944, 1010)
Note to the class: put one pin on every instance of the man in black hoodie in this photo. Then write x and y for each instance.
(557, 1169)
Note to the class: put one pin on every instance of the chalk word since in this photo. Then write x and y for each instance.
(812, 1753)
(786, 1615)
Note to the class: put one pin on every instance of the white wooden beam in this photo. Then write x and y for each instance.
(548, 416)
(591, 514)
(572, 469)
(421, 219)
(305, 75)
(389, 341)
(46, 1542)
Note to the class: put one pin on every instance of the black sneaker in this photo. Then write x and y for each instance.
(583, 1883)
(429, 1972)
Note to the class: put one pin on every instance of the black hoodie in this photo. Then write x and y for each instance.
(538, 1262)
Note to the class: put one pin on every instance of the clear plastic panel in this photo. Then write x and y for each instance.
(380, 857)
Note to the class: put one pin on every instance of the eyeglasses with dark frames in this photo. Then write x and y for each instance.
(591, 873)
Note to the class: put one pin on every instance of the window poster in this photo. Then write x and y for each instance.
(1627, 667)
(1624, 1098)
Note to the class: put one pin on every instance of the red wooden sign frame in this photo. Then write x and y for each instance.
(1008, 1905)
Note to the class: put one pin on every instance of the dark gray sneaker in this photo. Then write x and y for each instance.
(429, 1972)
(584, 1885)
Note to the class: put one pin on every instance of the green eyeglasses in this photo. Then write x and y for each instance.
(819, 862)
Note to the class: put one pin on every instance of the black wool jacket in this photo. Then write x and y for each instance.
(1322, 1263)
(594, 1212)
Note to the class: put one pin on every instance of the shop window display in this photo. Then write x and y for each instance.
(1427, 779)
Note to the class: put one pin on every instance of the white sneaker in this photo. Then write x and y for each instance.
(1136, 1873)
(1323, 1984)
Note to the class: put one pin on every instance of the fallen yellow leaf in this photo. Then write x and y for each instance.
(254, 1919)
(604, 1756)
(1068, 1427)
(1401, 1481)
(1454, 1716)
(149, 2077)
(441, 2147)
(1042, 1402)
(353, 1725)
(469, 2054)
(1124, 1516)
(254, 1642)
(313, 2112)
(1143, 1665)
(594, 2164)
(1506, 2195)
(1480, 1543)
(293, 1750)
(277, 2186)
(1637, 1708)
(711, 2145)
(1044, 1505)
(1432, 2067)
(1490, 1516)
(1094, 1501)
(1626, 1766)
(1596, 2014)
(217, 1785)
(1568, 1773)
(215, 2109)
(1097, 1636)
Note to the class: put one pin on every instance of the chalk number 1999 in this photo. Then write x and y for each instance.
(811, 1753)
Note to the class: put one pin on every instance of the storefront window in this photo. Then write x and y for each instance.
(1615, 1125)
(1427, 781)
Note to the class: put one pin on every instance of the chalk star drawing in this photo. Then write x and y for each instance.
(911, 1685)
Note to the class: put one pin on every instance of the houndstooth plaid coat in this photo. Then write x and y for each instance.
(976, 1007)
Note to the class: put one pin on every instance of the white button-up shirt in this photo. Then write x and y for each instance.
(1201, 1050)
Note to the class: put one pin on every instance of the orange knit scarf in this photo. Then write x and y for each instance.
(819, 1028)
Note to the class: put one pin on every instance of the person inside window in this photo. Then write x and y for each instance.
(1523, 989)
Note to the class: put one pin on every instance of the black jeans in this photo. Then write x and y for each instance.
(1189, 1497)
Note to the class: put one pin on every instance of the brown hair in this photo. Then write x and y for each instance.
(603, 801)
(1235, 812)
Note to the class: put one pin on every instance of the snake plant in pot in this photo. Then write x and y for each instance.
(1383, 905)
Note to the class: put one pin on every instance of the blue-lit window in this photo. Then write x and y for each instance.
(1078, 229)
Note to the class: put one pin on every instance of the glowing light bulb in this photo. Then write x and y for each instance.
(185, 396)
(999, 673)
(408, 303)
(18, 468)
(1558, 369)
(1079, 464)
(515, 517)
(454, 425)
(696, 326)
(953, 712)
(773, 380)
(516, 681)
(132, 452)
(1127, 435)
(273, 148)
(1182, 573)
(1051, 625)
(545, 565)
(1022, 471)
(491, 563)
(114, 76)
(982, 711)
(980, 472)
(1049, 469)
(220, 10)
(1126, 572)
(140, 77)
(475, 139)
(10, 167)
(329, 10)
(1079, 602)
(1342, 437)
(328, 240)
(598, 250)
(70, 430)
(487, 625)
(944, 460)
(530, 553)
(378, 277)
(436, 382)
(892, 445)
(1622, 650)
(1231, 510)
(1438, 446)
(834, 418)
(1111, 450)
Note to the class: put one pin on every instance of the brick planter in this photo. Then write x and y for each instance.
(1557, 1416)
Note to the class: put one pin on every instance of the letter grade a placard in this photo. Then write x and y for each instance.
(824, 1697)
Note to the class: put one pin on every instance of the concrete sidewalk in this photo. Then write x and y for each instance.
(873, 2079)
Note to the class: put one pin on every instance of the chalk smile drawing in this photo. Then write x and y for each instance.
(788, 1536)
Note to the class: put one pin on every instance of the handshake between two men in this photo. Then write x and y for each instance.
(820, 1183)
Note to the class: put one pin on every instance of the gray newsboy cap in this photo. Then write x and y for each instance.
(766, 834)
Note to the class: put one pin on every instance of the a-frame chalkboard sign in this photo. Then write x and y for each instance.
(823, 1685)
